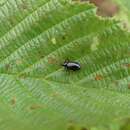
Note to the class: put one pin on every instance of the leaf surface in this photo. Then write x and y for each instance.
(36, 36)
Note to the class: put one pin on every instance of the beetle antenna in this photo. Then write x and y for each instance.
(66, 60)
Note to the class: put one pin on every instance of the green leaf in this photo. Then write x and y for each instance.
(36, 36)
(124, 13)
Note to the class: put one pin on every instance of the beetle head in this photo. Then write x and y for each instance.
(65, 64)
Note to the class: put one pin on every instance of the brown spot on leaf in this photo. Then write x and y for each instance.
(127, 65)
(13, 101)
(7, 66)
(98, 77)
(35, 106)
(55, 94)
(125, 25)
(128, 86)
(105, 7)
(51, 60)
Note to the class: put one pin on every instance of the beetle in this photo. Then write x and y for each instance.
(70, 65)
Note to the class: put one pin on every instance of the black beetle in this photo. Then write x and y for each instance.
(70, 65)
